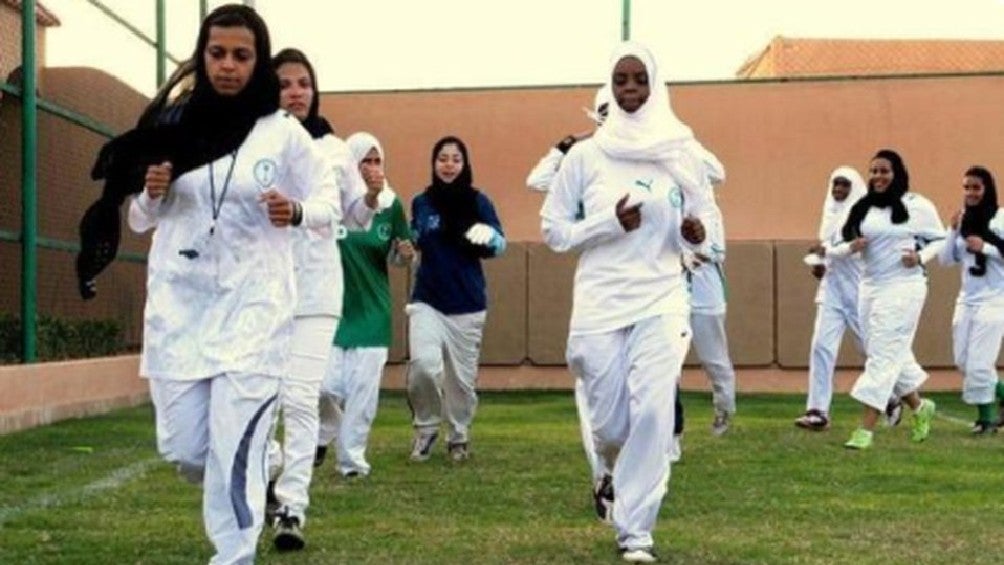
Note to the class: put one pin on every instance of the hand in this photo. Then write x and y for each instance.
(157, 180)
(818, 249)
(910, 258)
(859, 244)
(628, 216)
(280, 208)
(956, 219)
(692, 230)
(405, 249)
(974, 244)
(818, 271)
(480, 234)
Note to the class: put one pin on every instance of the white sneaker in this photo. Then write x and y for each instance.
(421, 445)
(640, 555)
(676, 449)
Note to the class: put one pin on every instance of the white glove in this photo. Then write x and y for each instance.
(385, 199)
(480, 234)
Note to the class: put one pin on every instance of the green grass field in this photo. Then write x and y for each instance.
(93, 491)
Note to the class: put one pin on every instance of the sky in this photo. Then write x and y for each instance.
(419, 44)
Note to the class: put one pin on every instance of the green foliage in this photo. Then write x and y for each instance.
(93, 491)
(60, 338)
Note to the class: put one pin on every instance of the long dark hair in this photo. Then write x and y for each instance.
(891, 197)
(314, 122)
(976, 219)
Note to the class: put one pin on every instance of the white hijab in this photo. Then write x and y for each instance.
(653, 132)
(835, 213)
(360, 144)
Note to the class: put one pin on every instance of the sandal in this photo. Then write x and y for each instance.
(814, 420)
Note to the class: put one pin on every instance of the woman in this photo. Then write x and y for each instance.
(975, 241)
(836, 297)
(629, 330)
(896, 232)
(352, 379)
(233, 174)
(318, 269)
(455, 227)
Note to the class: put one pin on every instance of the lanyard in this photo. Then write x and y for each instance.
(223, 193)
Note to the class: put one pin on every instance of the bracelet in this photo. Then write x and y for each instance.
(297, 214)
(565, 144)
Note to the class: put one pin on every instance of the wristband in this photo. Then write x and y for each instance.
(297, 214)
(565, 144)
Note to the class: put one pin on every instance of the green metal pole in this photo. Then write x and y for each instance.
(161, 44)
(29, 184)
(626, 20)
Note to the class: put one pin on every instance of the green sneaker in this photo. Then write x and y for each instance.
(922, 420)
(860, 439)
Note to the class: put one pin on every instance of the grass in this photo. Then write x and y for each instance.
(93, 491)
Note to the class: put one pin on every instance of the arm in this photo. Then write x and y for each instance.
(561, 231)
(315, 182)
(400, 235)
(929, 231)
(948, 254)
(541, 176)
(487, 215)
(144, 212)
(357, 212)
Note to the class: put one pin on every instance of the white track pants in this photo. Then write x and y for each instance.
(976, 338)
(299, 394)
(443, 369)
(215, 430)
(712, 347)
(630, 376)
(349, 399)
(596, 465)
(889, 315)
(831, 323)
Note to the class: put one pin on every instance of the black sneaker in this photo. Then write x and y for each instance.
(603, 499)
(893, 413)
(288, 534)
(271, 503)
(422, 444)
(322, 451)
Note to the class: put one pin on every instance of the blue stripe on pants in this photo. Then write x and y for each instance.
(239, 471)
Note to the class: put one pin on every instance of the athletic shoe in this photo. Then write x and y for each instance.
(459, 452)
(893, 413)
(922, 418)
(421, 446)
(603, 499)
(721, 423)
(639, 555)
(271, 503)
(322, 451)
(983, 428)
(860, 439)
(288, 534)
(815, 420)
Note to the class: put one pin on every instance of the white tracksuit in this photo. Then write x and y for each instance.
(707, 318)
(349, 403)
(629, 329)
(891, 299)
(219, 317)
(978, 322)
(318, 268)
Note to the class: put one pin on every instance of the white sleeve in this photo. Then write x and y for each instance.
(928, 229)
(949, 253)
(559, 225)
(541, 176)
(356, 214)
(144, 212)
(715, 235)
(315, 183)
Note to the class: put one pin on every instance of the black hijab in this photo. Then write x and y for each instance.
(198, 127)
(892, 197)
(314, 122)
(976, 219)
(456, 202)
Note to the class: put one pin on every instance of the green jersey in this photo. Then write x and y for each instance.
(366, 320)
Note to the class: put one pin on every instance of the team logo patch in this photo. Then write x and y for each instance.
(646, 184)
(432, 224)
(383, 232)
(266, 172)
(341, 233)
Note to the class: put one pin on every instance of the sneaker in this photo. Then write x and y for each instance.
(421, 446)
(459, 452)
(271, 503)
(322, 451)
(983, 428)
(893, 412)
(639, 555)
(603, 499)
(922, 418)
(721, 423)
(815, 420)
(860, 439)
(288, 534)
(676, 449)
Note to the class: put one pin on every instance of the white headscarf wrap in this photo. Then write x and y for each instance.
(360, 144)
(835, 213)
(654, 133)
